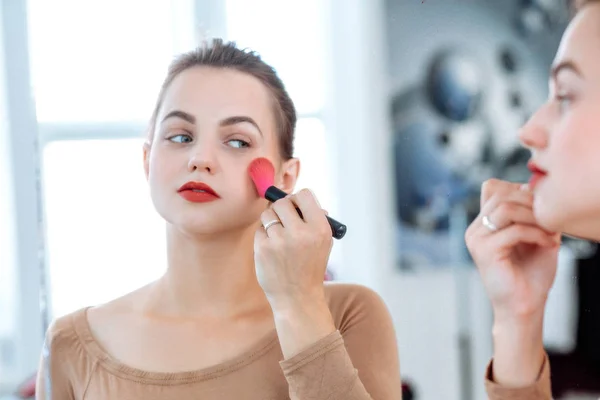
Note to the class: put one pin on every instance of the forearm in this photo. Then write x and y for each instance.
(301, 323)
(518, 350)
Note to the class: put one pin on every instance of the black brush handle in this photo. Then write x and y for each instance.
(338, 230)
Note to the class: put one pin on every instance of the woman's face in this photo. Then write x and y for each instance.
(212, 123)
(564, 134)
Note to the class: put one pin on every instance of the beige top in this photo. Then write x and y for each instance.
(539, 390)
(357, 362)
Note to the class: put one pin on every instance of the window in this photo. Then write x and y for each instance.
(96, 68)
(104, 237)
(96, 71)
(97, 61)
(311, 149)
(289, 35)
(8, 282)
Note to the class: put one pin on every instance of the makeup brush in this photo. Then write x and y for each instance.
(262, 173)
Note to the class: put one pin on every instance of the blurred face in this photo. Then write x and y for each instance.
(212, 123)
(564, 134)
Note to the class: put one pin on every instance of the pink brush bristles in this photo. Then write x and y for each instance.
(262, 173)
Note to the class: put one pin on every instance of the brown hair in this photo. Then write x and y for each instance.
(221, 54)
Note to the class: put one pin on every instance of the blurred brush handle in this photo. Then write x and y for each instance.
(338, 230)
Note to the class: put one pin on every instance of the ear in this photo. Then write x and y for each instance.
(146, 159)
(288, 175)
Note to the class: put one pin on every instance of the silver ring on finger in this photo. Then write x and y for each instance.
(489, 224)
(271, 223)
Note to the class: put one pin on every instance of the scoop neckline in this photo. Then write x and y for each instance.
(113, 365)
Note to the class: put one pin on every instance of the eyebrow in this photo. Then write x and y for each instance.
(181, 115)
(238, 119)
(565, 65)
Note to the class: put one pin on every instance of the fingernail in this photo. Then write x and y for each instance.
(524, 186)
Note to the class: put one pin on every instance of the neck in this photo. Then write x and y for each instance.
(209, 276)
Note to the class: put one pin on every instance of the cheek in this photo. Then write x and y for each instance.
(572, 191)
(239, 183)
(161, 169)
(573, 147)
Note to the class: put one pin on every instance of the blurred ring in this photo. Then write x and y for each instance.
(489, 224)
(271, 223)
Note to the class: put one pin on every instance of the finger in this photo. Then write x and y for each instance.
(311, 210)
(259, 237)
(287, 213)
(509, 213)
(496, 186)
(267, 216)
(522, 197)
(517, 234)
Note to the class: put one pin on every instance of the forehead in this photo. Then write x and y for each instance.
(581, 42)
(218, 93)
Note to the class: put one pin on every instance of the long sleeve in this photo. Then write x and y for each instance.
(359, 361)
(539, 390)
(53, 377)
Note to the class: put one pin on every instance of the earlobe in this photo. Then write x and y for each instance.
(290, 170)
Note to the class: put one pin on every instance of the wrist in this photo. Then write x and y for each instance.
(292, 301)
(301, 324)
(518, 349)
(299, 309)
(525, 325)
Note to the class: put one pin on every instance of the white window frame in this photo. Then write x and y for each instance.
(19, 114)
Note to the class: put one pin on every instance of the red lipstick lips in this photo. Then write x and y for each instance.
(537, 174)
(197, 192)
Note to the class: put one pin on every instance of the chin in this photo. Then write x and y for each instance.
(568, 218)
(212, 224)
(210, 220)
(549, 214)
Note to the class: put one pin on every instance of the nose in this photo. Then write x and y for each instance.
(202, 158)
(534, 134)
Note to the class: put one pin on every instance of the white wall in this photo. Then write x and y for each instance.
(7, 231)
(357, 117)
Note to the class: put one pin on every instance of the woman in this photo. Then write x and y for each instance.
(242, 310)
(516, 238)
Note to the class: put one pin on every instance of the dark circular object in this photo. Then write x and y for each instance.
(455, 85)
(516, 100)
(444, 138)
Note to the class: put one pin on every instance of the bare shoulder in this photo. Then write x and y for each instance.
(353, 303)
